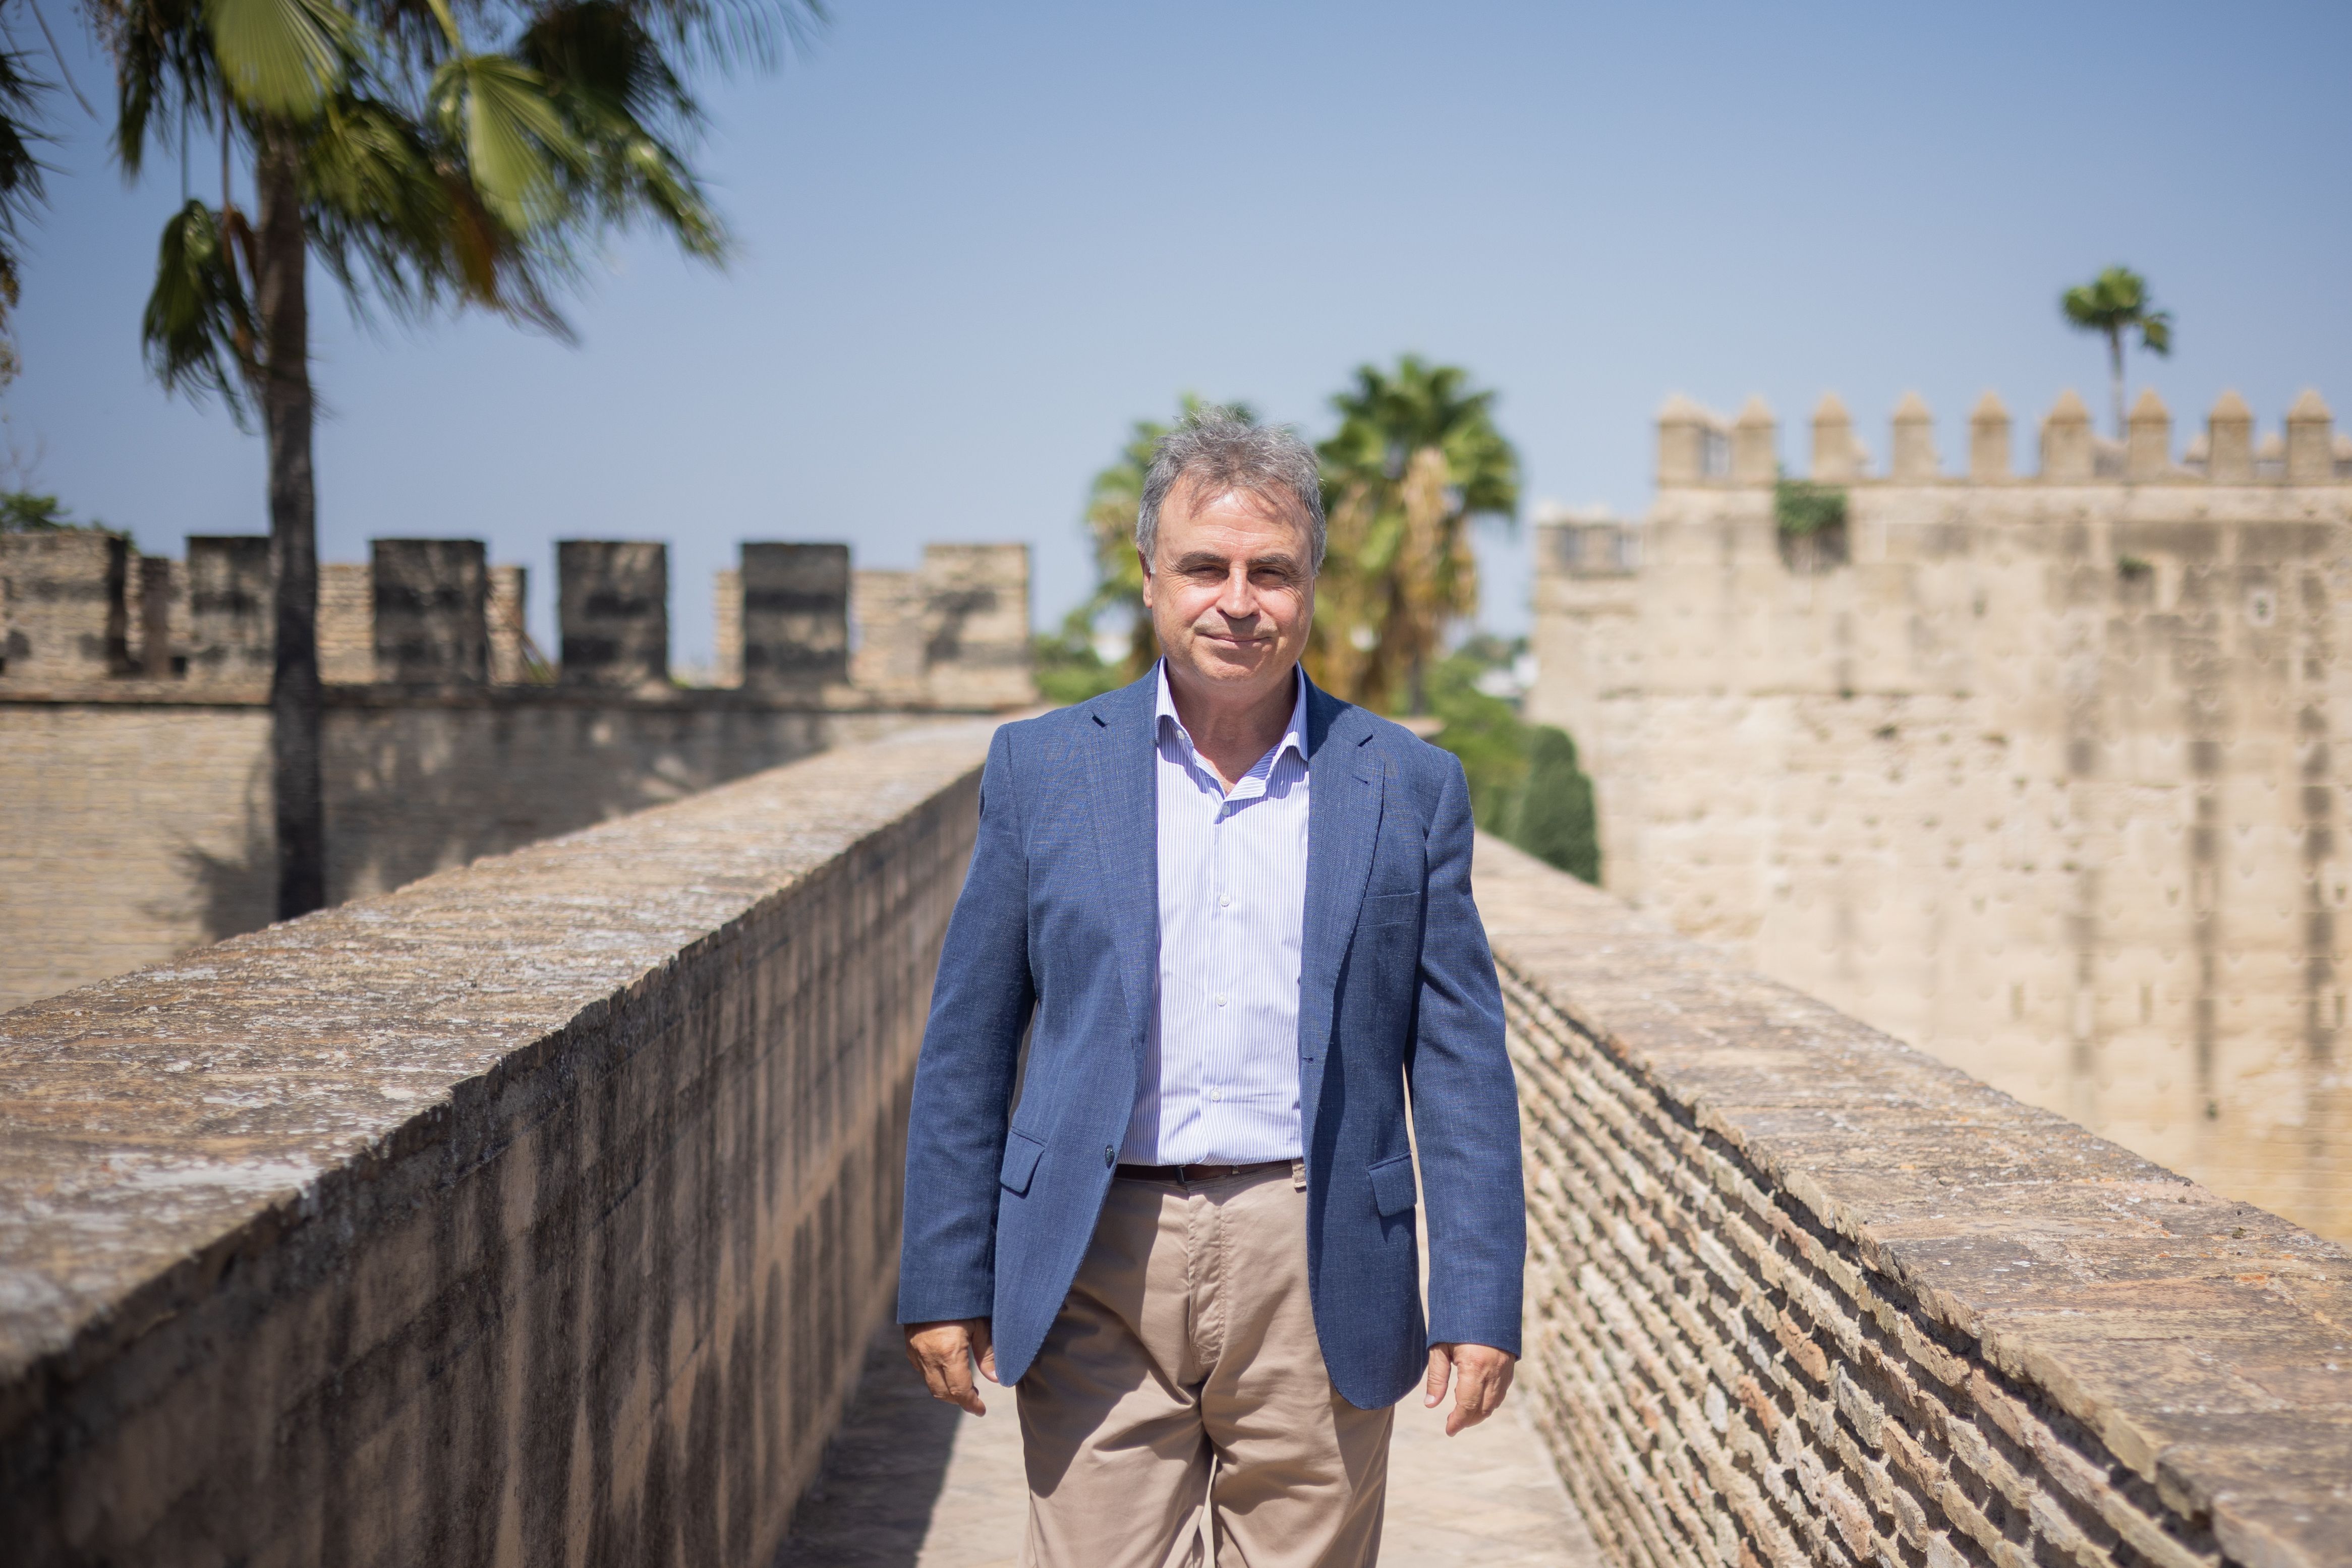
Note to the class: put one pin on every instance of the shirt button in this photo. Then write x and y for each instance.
(1224, 900)
(1221, 999)
(1216, 1093)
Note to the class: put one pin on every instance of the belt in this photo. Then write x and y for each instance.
(1192, 1176)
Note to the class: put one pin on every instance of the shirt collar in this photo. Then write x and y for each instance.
(1293, 738)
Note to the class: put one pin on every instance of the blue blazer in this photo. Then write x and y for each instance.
(1055, 936)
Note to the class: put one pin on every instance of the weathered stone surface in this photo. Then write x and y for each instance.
(2041, 777)
(63, 611)
(795, 623)
(536, 1212)
(133, 829)
(432, 612)
(613, 608)
(232, 614)
(346, 624)
(1798, 1293)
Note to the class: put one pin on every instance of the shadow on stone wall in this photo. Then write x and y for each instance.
(411, 789)
(227, 892)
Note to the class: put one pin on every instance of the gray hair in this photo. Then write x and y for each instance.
(1219, 450)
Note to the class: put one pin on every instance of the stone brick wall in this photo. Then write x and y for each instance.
(535, 1213)
(2035, 773)
(1800, 1295)
(132, 830)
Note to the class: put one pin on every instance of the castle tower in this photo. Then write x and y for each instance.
(2230, 441)
(1913, 461)
(1988, 440)
(2148, 454)
(1755, 445)
(2066, 457)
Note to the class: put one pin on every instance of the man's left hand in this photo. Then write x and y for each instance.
(1481, 1375)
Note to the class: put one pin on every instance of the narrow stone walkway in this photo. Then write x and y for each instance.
(912, 1483)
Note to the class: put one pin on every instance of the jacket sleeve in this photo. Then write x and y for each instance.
(1466, 1107)
(980, 1004)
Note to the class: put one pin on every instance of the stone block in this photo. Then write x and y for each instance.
(2148, 451)
(346, 624)
(1837, 456)
(976, 626)
(1683, 432)
(158, 610)
(62, 605)
(511, 654)
(432, 612)
(2067, 454)
(1913, 460)
(727, 628)
(613, 609)
(232, 608)
(1755, 445)
(2310, 447)
(1989, 440)
(888, 607)
(795, 617)
(2230, 441)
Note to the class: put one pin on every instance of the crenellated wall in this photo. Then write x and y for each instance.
(2036, 772)
(538, 1212)
(135, 815)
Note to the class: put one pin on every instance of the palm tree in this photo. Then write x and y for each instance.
(1415, 458)
(2114, 303)
(426, 161)
(1112, 502)
(20, 177)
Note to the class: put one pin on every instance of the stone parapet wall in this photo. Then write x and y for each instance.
(537, 1212)
(1798, 1294)
(137, 827)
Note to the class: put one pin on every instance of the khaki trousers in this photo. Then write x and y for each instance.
(1183, 1379)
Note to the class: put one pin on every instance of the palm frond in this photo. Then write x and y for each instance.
(197, 331)
(519, 150)
(21, 170)
(282, 57)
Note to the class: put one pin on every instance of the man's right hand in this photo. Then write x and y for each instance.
(943, 1353)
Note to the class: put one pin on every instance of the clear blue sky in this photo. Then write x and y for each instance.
(978, 241)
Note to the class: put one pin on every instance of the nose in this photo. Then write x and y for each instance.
(1238, 600)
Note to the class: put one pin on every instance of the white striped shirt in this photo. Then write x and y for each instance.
(1219, 1079)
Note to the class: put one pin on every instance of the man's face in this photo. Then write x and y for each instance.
(1231, 589)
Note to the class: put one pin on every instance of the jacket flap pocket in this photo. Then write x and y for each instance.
(1021, 1152)
(1393, 1186)
(1391, 909)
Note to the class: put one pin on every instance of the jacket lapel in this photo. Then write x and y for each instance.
(1346, 783)
(1126, 810)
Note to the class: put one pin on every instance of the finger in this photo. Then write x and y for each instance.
(1439, 1365)
(956, 1380)
(1470, 1406)
(984, 1345)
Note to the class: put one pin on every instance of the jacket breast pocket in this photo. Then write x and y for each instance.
(1392, 1191)
(1391, 909)
(1021, 1152)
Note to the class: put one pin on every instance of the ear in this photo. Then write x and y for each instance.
(1145, 562)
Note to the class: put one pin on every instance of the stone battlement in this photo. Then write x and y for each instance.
(84, 618)
(2037, 774)
(1700, 447)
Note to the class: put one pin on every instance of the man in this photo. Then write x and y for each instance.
(1231, 916)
